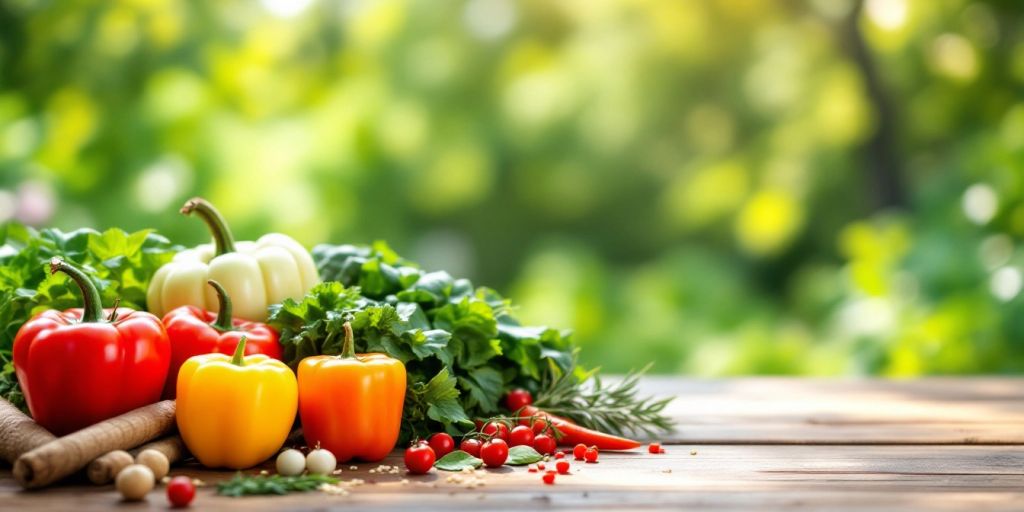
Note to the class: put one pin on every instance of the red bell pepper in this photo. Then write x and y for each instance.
(195, 331)
(572, 433)
(82, 366)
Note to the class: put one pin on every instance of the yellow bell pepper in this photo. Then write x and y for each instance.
(235, 412)
(254, 274)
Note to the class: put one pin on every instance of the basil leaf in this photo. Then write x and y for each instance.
(522, 455)
(457, 460)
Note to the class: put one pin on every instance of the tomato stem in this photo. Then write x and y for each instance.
(236, 359)
(91, 300)
(222, 240)
(223, 321)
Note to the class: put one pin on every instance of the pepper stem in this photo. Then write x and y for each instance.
(113, 310)
(348, 345)
(223, 321)
(222, 239)
(239, 352)
(91, 300)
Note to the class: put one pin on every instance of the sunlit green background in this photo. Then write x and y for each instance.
(722, 187)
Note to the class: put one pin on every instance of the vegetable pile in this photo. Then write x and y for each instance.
(461, 345)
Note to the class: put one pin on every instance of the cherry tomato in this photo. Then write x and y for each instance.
(521, 436)
(539, 425)
(544, 444)
(540, 465)
(442, 443)
(655, 448)
(558, 455)
(562, 466)
(497, 430)
(471, 446)
(549, 477)
(419, 458)
(579, 450)
(180, 491)
(494, 453)
(517, 399)
(591, 454)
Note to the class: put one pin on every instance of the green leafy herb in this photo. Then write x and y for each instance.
(522, 455)
(437, 400)
(613, 408)
(461, 346)
(242, 485)
(9, 388)
(457, 461)
(120, 264)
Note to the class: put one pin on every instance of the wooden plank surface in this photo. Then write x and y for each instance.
(718, 476)
(759, 444)
(822, 411)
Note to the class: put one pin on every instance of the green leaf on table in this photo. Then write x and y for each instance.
(522, 455)
(243, 485)
(457, 461)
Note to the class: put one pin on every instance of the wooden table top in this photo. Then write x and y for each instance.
(751, 443)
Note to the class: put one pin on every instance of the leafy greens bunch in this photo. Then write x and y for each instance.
(461, 345)
(119, 263)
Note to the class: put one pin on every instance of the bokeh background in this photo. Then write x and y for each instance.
(721, 187)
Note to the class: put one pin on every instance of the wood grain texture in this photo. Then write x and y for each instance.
(820, 411)
(782, 448)
(718, 476)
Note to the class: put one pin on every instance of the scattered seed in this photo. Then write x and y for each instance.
(333, 489)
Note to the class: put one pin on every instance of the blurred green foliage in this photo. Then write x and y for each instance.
(739, 186)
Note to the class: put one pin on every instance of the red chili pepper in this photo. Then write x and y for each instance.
(195, 331)
(82, 366)
(573, 434)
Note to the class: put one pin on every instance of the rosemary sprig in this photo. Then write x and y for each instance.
(612, 408)
(242, 485)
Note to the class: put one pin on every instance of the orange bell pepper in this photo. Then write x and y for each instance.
(351, 404)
